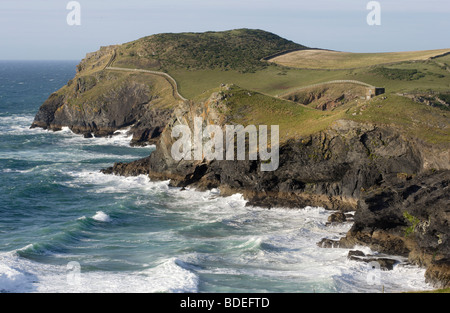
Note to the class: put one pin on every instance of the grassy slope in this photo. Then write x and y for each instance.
(109, 82)
(275, 80)
(239, 50)
(202, 62)
(296, 120)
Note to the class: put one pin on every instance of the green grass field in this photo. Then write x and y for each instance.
(275, 80)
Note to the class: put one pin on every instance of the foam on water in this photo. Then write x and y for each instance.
(19, 124)
(102, 217)
(120, 138)
(22, 275)
(256, 244)
(285, 247)
(209, 238)
(117, 184)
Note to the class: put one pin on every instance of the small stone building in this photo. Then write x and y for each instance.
(374, 91)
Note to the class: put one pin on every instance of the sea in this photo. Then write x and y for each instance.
(67, 228)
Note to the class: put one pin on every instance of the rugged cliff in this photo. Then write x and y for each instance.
(98, 102)
(373, 169)
(386, 158)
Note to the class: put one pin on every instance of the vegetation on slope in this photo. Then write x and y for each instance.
(202, 62)
(296, 120)
(276, 80)
(239, 50)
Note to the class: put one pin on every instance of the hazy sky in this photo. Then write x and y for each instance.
(37, 29)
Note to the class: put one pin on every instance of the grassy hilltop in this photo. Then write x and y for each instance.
(417, 83)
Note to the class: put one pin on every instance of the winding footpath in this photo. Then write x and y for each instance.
(171, 80)
(174, 84)
(356, 82)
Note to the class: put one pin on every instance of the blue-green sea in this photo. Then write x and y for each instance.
(65, 227)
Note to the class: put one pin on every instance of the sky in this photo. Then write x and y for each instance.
(38, 29)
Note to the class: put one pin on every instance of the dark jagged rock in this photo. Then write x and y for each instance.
(337, 217)
(385, 263)
(355, 254)
(328, 169)
(328, 243)
(438, 273)
(46, 114)
(351, 166)
(136, 168)
(409, 218)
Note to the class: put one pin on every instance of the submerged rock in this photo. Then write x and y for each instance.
(328, 243)
(337, 217)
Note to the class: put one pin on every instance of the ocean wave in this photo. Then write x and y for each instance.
(14, 276)
(117, 184)
(102, 217)
(18, 275)
(19, 124)
(359, 277)
(64, 239)
(254, 243)
(173, 276)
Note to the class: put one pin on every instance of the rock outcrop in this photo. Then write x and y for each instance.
(372, 169)
(409, 217)
(98, 102)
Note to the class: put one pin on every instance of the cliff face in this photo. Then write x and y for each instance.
(409, 217)
(372, 169)
(332, 168)
(98, 102)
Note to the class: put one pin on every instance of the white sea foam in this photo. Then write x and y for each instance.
(8, 170)
(120, 138)
(12, 278)
(21, 275)
(16, 124)
(172, 276)
(256, 243)
(117, 184)
(287, 250)
(19, 124)
(102, 217)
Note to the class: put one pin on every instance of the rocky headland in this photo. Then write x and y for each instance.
(398, 186)
(397, 183)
